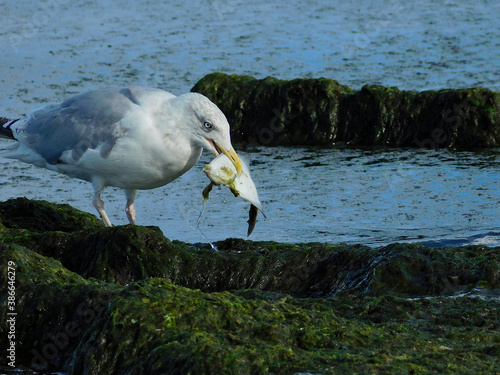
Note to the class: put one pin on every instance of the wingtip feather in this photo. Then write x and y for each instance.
(5, 131)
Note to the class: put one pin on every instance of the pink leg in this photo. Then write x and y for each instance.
(129, 208)
(99, 204)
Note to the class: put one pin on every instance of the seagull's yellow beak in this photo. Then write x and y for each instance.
(232, 155)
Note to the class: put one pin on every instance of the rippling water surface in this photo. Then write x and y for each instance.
(51, 50)
(436, 197)
(56, 48)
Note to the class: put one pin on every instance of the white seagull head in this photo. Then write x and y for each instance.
(208, 126)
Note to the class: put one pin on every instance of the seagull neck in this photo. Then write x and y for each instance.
(172, 114)
(174, 105)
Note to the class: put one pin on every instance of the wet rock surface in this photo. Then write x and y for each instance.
(322, 112)
(126, 299)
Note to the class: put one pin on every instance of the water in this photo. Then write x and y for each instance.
(436, 197)
(58, 48)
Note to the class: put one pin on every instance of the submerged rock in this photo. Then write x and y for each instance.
(127, 300)
(322, 112)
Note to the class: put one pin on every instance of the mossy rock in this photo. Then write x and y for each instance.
(52, 306)
(70, 324)
(126, 254)
(322, 112)
(127, 300)
(41, 216)
(415, 270)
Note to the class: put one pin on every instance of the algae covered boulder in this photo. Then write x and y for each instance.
(52, 307)
(277, 112)
(42, 216)
(126, 300)
(386, 116)
(322, 112)
(125, 254)
(67, 323)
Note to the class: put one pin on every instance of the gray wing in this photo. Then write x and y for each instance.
(80, 123)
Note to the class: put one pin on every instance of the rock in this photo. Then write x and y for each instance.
(124, 254)
(125, 299)
(321, 112)
(41, 216)
(53, 307)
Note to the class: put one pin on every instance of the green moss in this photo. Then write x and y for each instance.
(128, 300)
(53, 306)
(35, 268)
(41, 216)
(322, 112)
(126, 254)
(175, 328)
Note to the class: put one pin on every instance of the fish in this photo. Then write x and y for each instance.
(221, 171)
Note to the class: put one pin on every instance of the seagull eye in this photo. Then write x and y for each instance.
(207, 126)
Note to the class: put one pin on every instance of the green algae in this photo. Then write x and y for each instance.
(127, 300)
(125, 254)
(52, 306)
(322, 112)
(42, 216)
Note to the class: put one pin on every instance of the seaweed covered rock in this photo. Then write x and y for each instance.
(322, 112)
(42, 216)
(125, 254)
(67, 323)
(125, 299)
(378, 115)
(52, 307)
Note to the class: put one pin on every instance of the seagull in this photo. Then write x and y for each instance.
(133, 138)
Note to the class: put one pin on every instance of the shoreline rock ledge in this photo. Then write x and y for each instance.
(127, 300)
(322, 112)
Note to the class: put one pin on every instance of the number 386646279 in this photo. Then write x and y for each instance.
(11, 285)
